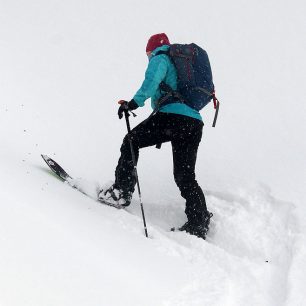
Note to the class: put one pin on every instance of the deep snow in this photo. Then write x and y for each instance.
(64, 64)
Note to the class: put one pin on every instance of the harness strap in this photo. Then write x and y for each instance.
(210, 94)
(173, 93)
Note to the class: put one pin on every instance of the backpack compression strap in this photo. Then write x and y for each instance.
(216, 106)
(171, 93)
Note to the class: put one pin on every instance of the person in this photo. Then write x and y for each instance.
(174, 122)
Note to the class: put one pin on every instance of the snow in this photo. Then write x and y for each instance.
(64, 64)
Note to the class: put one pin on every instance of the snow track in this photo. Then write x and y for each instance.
(247, 255)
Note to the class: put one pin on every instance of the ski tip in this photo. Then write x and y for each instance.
(50, 162)
(45, 157)
(56, 168)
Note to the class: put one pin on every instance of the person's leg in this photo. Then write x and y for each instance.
(148, 133)
(185, 145)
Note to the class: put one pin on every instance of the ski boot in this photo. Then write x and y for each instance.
(199, 230)
(114, 196)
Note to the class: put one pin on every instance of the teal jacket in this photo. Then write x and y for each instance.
(160, 68)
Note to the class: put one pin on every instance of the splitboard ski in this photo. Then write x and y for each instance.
(65, 177)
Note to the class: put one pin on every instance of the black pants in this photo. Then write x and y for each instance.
(185, 134)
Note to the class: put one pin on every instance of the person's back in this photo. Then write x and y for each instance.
(175, 122)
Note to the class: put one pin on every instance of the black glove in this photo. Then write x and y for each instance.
(126, 106)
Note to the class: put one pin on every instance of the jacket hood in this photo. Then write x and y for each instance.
(162, 48)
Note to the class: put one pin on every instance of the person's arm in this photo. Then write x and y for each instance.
(155, 73)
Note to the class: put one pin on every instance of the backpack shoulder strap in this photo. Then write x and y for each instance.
(163, 52)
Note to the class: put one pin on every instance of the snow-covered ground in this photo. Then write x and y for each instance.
(64, 64)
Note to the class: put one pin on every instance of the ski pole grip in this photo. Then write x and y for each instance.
(122, 102)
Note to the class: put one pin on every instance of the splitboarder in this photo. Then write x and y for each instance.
(175, 119)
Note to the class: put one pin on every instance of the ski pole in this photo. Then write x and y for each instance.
(126, 115)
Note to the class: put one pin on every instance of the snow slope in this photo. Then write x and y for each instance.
(64, 64)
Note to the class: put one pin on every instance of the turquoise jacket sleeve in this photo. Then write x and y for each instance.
(155, 73)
